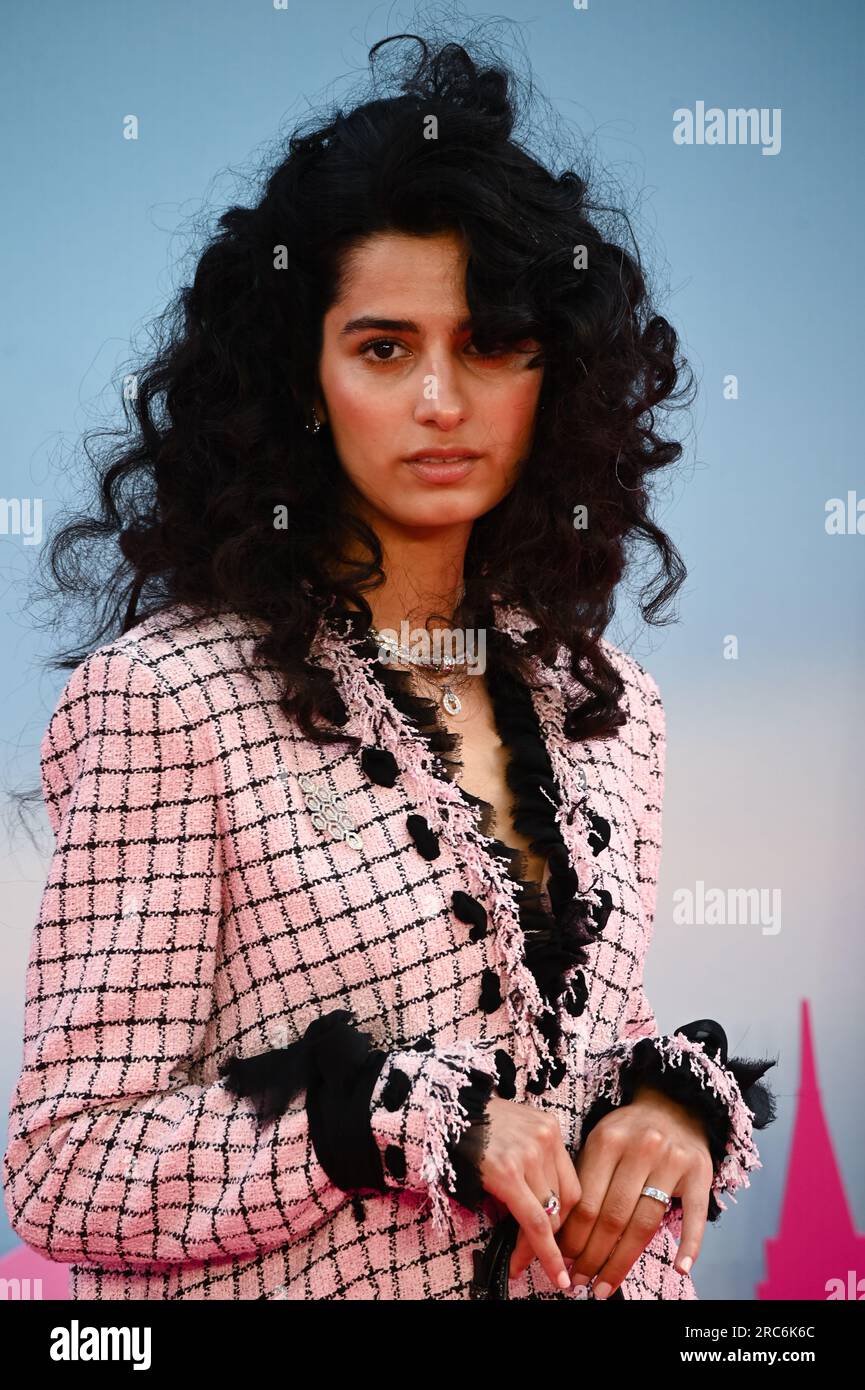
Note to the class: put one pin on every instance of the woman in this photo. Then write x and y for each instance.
(336, 986)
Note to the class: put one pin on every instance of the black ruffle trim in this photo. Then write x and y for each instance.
(336, 1065)
(555, 936)
(556, 939)
(680, 1084)
(557, 925)
(466, 1153)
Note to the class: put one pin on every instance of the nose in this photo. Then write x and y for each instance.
(442, 401)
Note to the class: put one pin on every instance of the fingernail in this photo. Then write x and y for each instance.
(564, 1281)
(579, 1279)
(603, 1290)
(685, 1265)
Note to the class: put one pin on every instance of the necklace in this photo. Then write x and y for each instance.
(449, 698)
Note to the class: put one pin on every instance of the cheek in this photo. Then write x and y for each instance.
(361, 421)
(511, 411)
(351, 403)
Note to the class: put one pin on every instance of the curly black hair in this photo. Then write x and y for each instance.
(219, 443)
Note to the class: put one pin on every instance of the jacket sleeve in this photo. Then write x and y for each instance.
(120, 1152)
(690, 1065)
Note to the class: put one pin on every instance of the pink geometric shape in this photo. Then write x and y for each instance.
(817, 1253)
(37, 1277)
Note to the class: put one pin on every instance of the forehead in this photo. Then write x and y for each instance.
(403, 276)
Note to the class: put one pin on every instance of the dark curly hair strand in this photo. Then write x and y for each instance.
(218, 421)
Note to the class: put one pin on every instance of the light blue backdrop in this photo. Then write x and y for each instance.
(759, 256)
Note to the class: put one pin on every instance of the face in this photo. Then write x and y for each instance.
(399, 377)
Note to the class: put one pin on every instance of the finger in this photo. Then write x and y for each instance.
(537, 1228)
(561, 1179)
(542, 1179)
(595, 1166)
(570, 1188)
(695, 1210)
(615, 1213)
(647, 1214)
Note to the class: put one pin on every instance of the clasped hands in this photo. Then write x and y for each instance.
(604, 1223)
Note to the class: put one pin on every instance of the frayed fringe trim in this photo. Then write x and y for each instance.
(442, 804)
(574, 825)
(444, 1074)
(604, 1077)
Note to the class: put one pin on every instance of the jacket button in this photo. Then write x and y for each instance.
(395, 1089)
(599, 837)
(491, 992)
(394, 1158)
(577, 995)
(469, 910)
(507, 1074)
(426, 840)
(598, 915)
(380, 766)
(538, 1084)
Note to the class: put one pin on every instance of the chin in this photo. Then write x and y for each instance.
(447, 506)
(443, 511)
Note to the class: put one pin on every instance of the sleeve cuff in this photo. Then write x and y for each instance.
(428, 1119)
(691, 1067)
(466, 1153)
(413, 1119)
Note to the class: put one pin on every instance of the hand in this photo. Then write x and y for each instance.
(653, 1141)
(525, 1159)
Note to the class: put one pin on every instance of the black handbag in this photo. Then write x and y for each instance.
(492, 1264)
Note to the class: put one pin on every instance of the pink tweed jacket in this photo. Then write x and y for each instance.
(220, 882)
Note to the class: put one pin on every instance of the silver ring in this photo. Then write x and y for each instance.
(658, 1194)
(552, 1205)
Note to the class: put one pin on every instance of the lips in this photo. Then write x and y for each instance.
(443, 470)
(442, 451)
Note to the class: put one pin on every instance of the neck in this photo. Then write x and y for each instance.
(423, 569)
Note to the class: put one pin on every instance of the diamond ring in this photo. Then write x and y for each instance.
(658, 1194)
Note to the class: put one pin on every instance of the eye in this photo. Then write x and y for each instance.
(490, 356)
(527, 348)
(367, 350)
(371, 351)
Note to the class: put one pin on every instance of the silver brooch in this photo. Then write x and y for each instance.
(328, 811)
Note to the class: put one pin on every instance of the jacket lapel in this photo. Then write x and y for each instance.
(377, 723)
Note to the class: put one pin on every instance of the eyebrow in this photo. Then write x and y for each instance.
(367, 321)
